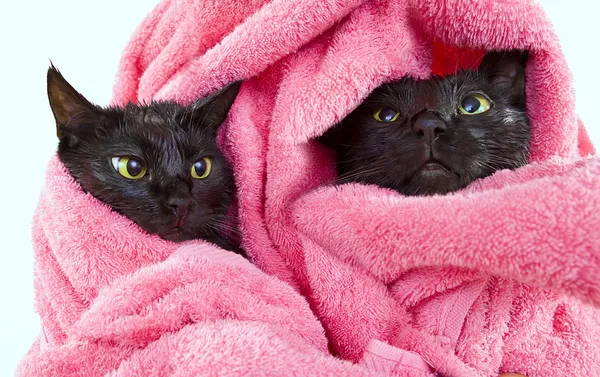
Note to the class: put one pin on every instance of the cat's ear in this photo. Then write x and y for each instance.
(506, 70)
(213, 109)
(71, 110)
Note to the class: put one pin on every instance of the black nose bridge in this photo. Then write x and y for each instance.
(178, 185)
(177, 194)
(428, 124)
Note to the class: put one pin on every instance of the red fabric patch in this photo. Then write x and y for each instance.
(448, 59)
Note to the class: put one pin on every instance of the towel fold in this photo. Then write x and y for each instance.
(500, 277)
(115, 301)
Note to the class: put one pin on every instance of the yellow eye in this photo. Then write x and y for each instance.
(385, 115)
(474, 104)
(202, 168)
(129, 167)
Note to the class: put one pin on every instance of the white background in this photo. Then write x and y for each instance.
(84, 39)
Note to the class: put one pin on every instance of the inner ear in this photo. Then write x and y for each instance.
(71, 110)
(506, 70)
(212, 110)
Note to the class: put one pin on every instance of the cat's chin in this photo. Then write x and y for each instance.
(432, 179)
(177, 235)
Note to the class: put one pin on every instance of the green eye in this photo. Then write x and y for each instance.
(129, 167)
(202, 168)
(385, 115)
(474, 104)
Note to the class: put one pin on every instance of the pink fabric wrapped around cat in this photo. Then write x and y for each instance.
(116, 301)
(501, 277)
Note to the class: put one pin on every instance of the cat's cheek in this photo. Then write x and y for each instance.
(69, 142)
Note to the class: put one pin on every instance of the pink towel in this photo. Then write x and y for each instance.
(501, 277)
(116, 301)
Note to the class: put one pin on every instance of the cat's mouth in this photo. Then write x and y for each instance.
(432, 177)
(180, 222)
(435, 166)
(176, 234)
(176, 228)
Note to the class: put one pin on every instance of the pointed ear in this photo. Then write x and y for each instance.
(506, 70)
(212, 110)
(69, 107)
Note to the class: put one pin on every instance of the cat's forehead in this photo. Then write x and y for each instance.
(159, 115)
(158, 120)
(160, 127)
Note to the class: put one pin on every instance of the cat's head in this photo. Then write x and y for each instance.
(158, 164)
(425, 137)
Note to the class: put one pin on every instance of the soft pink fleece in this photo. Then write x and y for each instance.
(116, 301)
(502, 277)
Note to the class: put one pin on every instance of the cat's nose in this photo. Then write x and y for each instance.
(179, 205)
(428, 126)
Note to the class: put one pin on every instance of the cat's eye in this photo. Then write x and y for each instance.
(202, 168)
(474, 104)
(385, 115)
(129, 167)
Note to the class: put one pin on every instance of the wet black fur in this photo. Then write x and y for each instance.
(170, 138)
(469, 147)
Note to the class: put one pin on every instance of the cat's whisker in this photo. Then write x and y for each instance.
(416, 191)
(349, 145)
(224, 223)
(225, 227)
(360, 172)
(356, 159)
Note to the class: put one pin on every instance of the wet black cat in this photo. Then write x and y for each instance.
(425, 137)
(158, 164)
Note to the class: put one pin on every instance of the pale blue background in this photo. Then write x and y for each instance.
(85, 39)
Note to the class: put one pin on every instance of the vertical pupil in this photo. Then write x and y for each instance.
(471, 104)
(134, 167)
(200, 167)
(387, 114)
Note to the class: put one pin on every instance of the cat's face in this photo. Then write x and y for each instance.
(424, 137)
(157, 164)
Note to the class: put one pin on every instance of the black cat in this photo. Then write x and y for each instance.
(157, 164)
(425, 137)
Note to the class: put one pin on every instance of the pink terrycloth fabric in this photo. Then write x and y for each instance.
(115, 301)
(501, 277)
